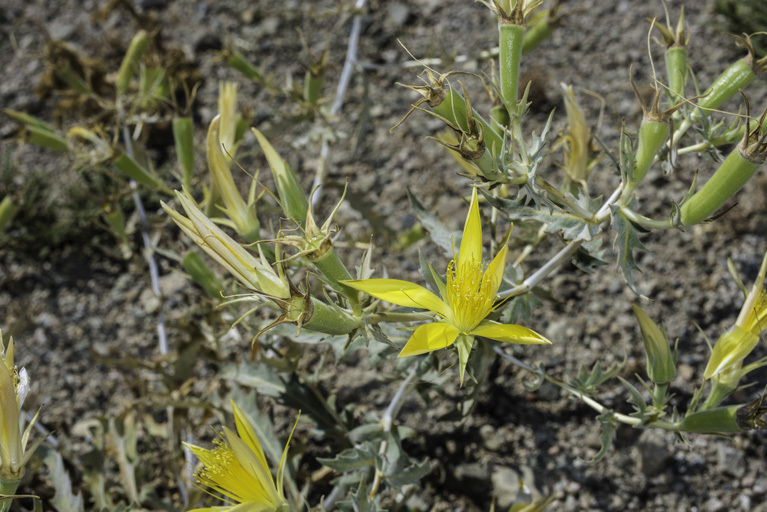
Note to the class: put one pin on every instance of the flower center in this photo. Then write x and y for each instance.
(224, 473)
(469, 293)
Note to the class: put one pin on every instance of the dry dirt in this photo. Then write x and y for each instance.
(64, 299)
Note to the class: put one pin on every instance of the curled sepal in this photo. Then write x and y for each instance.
(512, 12)
(673, 38)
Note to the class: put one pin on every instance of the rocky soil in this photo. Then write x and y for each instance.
(81, 318)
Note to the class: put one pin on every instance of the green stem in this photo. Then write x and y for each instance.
(387, 422)
(646, 221)
(583, 397)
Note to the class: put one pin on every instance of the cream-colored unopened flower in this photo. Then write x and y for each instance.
(14, 386)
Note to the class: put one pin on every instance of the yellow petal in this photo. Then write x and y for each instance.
(402, 293)
(247, 433)
(509, 333)
(471, 243)
(429, 337)
(259, 487)
(731, 347)
(495, 270)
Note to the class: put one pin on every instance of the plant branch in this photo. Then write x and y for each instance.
(387, 421)
(343, 84)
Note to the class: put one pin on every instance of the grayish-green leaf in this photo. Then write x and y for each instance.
(438, 232)
(626, 241)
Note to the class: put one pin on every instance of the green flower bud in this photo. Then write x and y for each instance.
(183, 135)
(294, 202)
(201, 274)
(661, 363)
(130, 63)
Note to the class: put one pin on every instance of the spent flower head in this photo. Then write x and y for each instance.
(466, 299)
(255, 273)
(237, 469)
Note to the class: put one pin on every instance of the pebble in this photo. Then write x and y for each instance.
(730, 461)
(505, 487)
(652, 452)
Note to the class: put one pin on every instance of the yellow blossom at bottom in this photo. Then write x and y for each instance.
(237, 469)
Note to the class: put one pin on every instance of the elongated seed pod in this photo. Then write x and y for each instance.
(732, 174)
(511, 37)
(652, 136)
(676, 69)
(722, 420)
(736, 77)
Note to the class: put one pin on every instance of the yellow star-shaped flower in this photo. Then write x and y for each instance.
(466, 298)
(237, 469)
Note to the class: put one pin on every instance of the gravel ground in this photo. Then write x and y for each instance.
(74, 309)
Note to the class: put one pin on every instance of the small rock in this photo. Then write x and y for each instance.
(652, 452)
(491, 438)
(505, 487)
(473, 477)
(208, 42)
(730, 461)
(398, 13)
(686, 371)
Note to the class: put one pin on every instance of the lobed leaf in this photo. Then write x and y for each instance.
(626, 241)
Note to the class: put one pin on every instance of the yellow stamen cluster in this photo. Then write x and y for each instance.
(469, 293)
